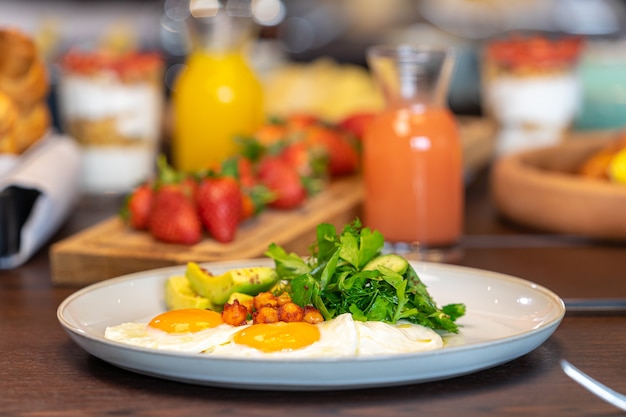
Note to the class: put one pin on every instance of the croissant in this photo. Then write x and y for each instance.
(8, 124)
(24, 86)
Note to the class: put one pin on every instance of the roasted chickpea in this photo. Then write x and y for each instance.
(235, 314)
(312, 315)
(283, 299)
(264, 299)
(290, 312)
(265, 315)
(249, 304)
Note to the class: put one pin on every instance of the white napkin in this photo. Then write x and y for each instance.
(51, 168)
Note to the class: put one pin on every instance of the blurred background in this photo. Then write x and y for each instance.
(303, 31)
(567, 73)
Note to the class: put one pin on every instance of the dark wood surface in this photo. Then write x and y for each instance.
(43, 373)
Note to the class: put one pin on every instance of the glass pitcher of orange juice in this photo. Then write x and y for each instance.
(217, 96)
(412, 154)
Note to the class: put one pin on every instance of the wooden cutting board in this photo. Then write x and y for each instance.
(110, 249)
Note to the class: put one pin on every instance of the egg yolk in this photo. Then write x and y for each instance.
(189, 320)
(274, 337)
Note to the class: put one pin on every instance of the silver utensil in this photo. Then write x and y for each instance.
(607, 394)
(595, 305)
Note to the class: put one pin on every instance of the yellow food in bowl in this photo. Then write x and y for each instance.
(617, 167)
(608, 162)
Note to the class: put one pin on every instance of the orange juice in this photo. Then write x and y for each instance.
(215, 98)
(413, 176)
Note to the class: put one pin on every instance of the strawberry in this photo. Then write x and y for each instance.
(343, 157)
(174, 218)
(248, 208)
(241, 169)
(300, 121)
(356, 123)
(246, 173)
(283, 180)
(219, 206)
(310, 162)
(254, 200)
(136, 209)
(270, 133)
(300, 156)
(254, 196)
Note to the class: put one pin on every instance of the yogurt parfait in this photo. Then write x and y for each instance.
(531, 88)
(112, 104)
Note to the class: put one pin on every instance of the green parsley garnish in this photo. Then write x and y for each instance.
(347, 273)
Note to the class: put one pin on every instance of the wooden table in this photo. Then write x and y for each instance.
(43, 373)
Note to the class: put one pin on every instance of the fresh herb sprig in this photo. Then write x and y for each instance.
(346, 274)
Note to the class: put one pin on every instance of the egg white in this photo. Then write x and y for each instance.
(378, 338)
(142, 335)
(339, 337)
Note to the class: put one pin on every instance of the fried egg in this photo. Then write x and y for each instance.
(203, 331)
(337, 338)
(185, 330)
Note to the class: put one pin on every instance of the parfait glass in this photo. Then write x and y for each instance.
(412, 155)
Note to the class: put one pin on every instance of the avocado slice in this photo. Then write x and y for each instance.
(178, 294)
(394, 262)
(253, 280)
(216, 288)
(241, 297)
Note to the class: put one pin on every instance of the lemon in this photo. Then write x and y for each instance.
(617, 167)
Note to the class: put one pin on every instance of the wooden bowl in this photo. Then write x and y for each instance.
(540, 189)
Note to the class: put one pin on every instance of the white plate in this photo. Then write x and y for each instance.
(506, 318)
